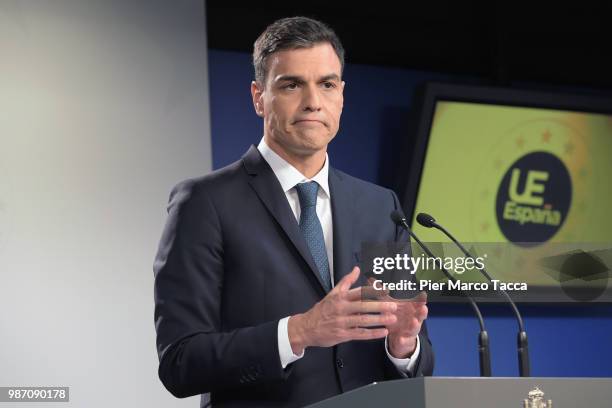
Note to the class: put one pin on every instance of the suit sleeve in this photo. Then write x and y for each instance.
(195, 355)
(425, 363)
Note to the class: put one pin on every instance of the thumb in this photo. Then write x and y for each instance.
(345, 283)
(420, 299)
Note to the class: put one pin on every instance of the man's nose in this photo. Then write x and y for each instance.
(311, 98)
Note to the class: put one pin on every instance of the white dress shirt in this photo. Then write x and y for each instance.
(288, 176)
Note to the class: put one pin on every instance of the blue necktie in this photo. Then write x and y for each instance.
(310, 226)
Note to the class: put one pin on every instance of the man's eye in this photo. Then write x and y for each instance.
(329, 85)
(292, 85)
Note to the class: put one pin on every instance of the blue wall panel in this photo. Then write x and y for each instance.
(378, 117)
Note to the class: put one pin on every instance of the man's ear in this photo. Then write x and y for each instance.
(257, 95)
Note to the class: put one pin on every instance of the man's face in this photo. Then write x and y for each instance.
(302, 99)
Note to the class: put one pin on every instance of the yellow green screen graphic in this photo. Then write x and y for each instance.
(520, 175)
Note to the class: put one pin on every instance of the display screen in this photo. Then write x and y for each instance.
(537, 181)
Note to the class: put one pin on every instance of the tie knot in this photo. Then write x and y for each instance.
(307, 193)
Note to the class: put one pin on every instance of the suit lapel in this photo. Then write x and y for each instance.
(270, 192)
(343, 219)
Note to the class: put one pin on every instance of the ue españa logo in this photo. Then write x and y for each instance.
(533, 198)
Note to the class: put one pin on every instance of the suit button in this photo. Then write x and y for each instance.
(339, 363)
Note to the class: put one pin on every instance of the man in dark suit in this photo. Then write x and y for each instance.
(257, 297)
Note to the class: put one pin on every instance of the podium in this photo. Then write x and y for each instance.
(471, 392)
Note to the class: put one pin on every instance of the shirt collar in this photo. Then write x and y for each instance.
(289, 176)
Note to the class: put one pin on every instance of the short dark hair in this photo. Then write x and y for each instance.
(291, 33)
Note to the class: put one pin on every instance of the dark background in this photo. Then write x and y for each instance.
(499, 42)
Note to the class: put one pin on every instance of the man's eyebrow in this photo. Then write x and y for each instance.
(290, 78)
(301, 80)
(330, 77)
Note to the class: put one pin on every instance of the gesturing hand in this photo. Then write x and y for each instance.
(410, 314)
(342, 316)
(402, 334)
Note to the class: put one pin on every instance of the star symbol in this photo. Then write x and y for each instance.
(546, 136)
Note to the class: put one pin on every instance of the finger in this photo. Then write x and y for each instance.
(345, 283)
(354, 294)
(422, 313)
(364, 293)
(421, 298)
(366, 334)
(369, 292)
(369, 320)
(370, 307)
(377, 293)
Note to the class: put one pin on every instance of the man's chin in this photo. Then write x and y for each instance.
(304, 144)
(313, 141)
(311, 148)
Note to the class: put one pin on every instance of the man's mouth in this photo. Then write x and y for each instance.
(309, 121)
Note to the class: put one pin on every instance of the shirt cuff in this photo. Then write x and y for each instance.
(405, 365)
(284, 346)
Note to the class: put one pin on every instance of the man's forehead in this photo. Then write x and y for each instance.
(317, 61)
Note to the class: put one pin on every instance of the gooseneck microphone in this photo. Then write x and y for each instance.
(484, 352)
(428, 221)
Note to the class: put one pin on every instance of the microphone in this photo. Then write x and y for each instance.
(484, 352)
(428, 221)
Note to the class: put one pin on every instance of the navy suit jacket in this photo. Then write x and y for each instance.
(232, 262)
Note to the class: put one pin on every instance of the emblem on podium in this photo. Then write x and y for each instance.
(535, 399)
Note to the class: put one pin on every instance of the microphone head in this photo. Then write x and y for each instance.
(397, 217)
(426, 220)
